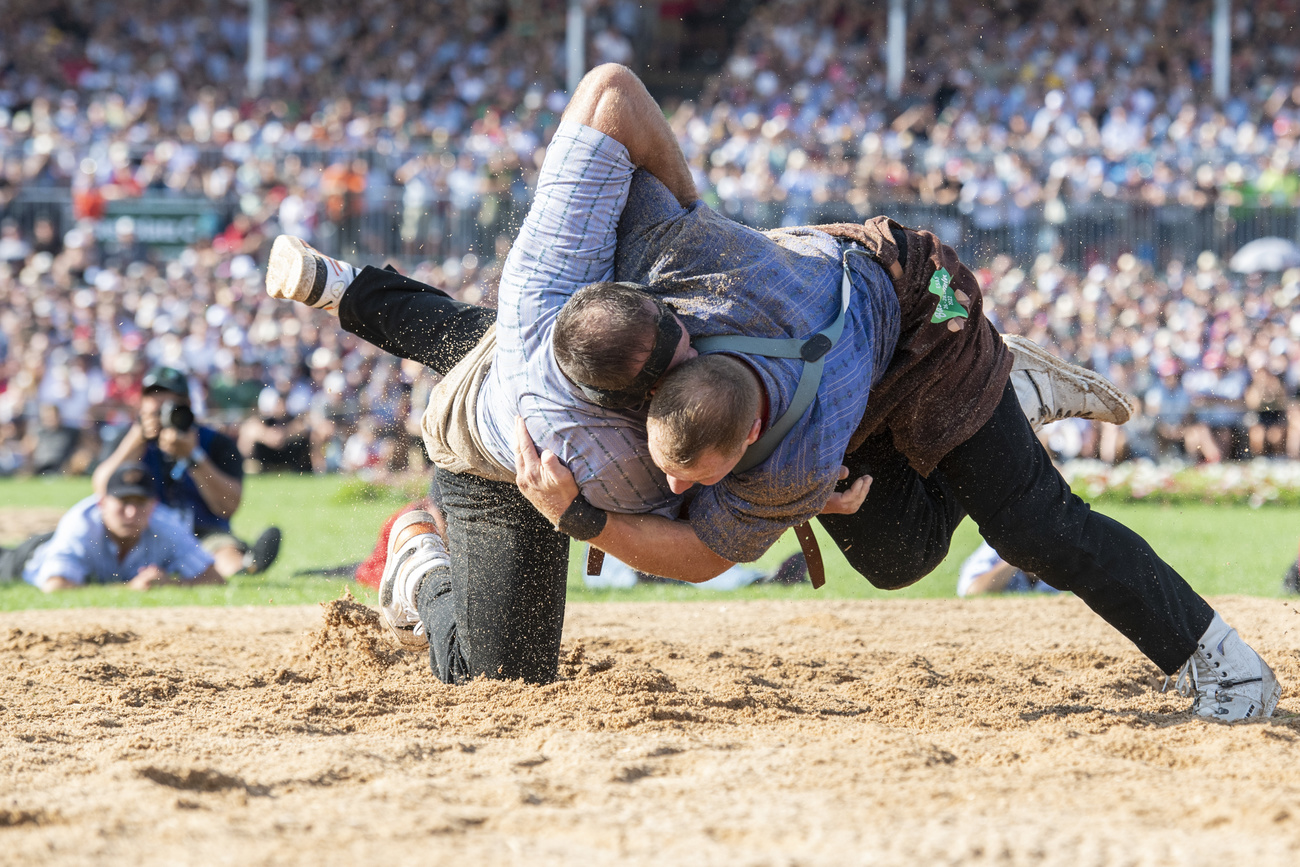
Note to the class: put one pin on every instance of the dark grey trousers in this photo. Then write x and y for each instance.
(498, 609)
(12, 560)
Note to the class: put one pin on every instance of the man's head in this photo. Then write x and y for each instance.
(165, 402)
(615, 341)
(128, 502)
(703, 416)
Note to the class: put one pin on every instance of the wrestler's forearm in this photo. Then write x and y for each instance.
(613, 100)
(661, 547)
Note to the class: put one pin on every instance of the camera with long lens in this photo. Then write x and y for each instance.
(177, 416)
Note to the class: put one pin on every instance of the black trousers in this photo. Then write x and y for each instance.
(498, 610)
(1004, 479)
(14, 560)
(411, 320)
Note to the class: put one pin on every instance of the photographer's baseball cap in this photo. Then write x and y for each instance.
(130, 480)
(167, 379)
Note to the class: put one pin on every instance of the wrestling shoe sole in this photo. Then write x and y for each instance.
(294, 272)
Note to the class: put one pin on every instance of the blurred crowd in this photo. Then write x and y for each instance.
(81, 325)
(420, 115)
(1008, 107)
(1212, 358)
(425, 122)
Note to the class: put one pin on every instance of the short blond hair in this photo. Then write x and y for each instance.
(709, 402)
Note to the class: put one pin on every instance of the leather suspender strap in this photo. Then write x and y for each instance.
(812, 555)
(812, 351)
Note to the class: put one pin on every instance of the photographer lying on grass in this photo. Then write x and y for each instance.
(116, 538)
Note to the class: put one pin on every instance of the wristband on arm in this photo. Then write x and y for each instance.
(582, 520)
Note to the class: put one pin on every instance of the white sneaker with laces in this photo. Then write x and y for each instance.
(297, 271)
(1050, 389)
(1229, 679)
(414, 550)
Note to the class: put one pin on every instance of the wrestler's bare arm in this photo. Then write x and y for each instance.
(613, 100)
(650, 543)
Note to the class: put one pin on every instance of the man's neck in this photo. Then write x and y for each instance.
(764, 403)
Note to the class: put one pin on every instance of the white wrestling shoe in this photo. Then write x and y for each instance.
(1229, 679)
(414, 550)
(1050, 389)
(297, 271)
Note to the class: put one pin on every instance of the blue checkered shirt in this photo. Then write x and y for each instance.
(724, 278)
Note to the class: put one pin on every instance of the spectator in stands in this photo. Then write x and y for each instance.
(51, 443)
(1266, 408)
(275, 438)
(13, 248)
(1171, 407)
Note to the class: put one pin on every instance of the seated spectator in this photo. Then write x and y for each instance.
(235, 391)
(118, 537)
(13, 455)
(1218, 393)
(274, 438)
(198, 472)
(1169, 403)
(1266, 410)
(51, 443)
(984, 572)
(12, 246)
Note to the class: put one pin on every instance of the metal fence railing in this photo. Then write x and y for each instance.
(389, 230)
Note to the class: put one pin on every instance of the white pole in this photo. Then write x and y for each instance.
(256, 45)
(1222, 48)
(896, 48)
(575, 44)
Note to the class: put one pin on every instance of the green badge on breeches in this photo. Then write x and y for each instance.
(948, 307)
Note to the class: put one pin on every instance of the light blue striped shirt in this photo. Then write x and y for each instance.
(82, 551)
(566, 242)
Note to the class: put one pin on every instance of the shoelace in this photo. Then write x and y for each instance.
(1188, 682)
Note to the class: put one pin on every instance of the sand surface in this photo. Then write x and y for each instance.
(900, 732)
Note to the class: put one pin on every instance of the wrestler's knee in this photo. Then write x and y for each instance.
(899, 569)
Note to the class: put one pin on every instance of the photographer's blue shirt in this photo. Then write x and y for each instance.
(181, 496)
(82, 551)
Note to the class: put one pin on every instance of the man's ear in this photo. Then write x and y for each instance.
(755, 430)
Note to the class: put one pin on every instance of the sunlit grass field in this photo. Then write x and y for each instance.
(331, 521)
